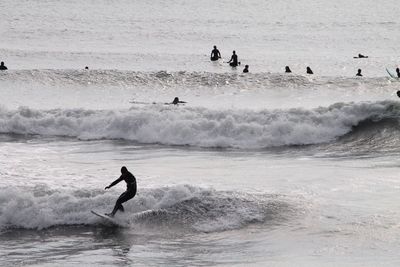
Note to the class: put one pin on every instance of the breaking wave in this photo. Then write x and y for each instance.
(183, 207)
(201, 127)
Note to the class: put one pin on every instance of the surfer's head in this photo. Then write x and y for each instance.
(215, 47)
(124, 170)
(397, 70)
(2, 63)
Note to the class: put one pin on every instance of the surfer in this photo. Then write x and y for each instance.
(176, 101)
(361, 56)
(128, 194)
(359, 73)
(2, 66)
(215, 54)
(287, 70)
(309, 71)
(233, 62)
(398, 72)
(246, 69)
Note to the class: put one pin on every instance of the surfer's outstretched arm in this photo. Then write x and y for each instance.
(114, 183)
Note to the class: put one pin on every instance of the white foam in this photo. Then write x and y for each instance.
(170, 125)
(182, 205)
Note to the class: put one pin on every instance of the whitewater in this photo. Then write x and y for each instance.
(256, 169)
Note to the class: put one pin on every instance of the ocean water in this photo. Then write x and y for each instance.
(257, 169)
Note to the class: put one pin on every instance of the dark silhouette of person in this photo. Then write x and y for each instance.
(2, 66)
(246, 69)
(309, 71)
(398, 72)
(130, 192)
(287, 70)
(233, 62)
(86, 68)
(215, 54)
(359, 73)
(361, 56)
(398, 93)
(176, 101)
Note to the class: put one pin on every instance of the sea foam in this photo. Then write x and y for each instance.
(179, 207)
(201, 127)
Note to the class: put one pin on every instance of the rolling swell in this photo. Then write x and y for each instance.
(369, 136)
(200, 127)
(65, 77)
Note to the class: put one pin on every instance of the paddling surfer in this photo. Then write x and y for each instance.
(176, 101)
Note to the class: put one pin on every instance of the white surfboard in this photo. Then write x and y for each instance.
(105, 217)
(391, 74)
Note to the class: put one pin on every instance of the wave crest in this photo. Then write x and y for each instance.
(169, 125)
(183, 207)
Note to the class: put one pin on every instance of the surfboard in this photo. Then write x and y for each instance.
(105, 217)
(391, 74)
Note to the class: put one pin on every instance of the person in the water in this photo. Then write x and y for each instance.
(215, 54)
(309, 71)
(246, 69)
(233, 62)
(287, 70)
(398, 72)
(359, 73)
(361, 56)
(398, 93)
(130, 192)
(2, 66)
(176, 101)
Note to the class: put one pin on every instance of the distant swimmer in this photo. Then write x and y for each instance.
(2, 66)
(287, 70)
(398, 72)
(361, 56)
(398, 93)
(130, 192)
(246, 69)
(359, 73)
(176, 101)
(86, 68)
(309, 71)
(215, 54)
(233, 62)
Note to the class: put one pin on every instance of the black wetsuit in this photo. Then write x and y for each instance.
(2, 67)
(234, 60)
(130, 190)
(215, 55)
